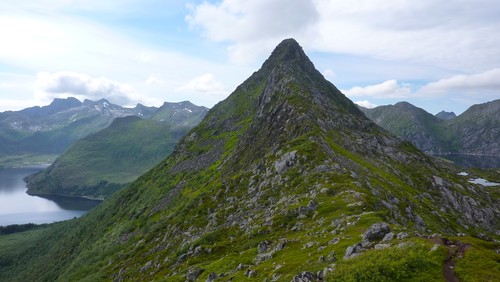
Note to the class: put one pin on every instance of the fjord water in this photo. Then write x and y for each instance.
(473, 161)
(17, 207)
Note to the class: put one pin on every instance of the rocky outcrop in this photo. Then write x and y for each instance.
(305, 276)
(286, 161)
(193, 273)
(376, 232)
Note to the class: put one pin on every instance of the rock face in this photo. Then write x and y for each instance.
(282, 173)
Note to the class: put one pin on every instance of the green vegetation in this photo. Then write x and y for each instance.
(411, 262)
(282, 177)
(15, 228)
(26, 160)
(480, 261)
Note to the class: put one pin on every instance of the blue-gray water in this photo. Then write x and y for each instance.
(17, 207)
(477, 161)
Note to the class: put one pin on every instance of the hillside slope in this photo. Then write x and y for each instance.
(411, 123)
(99, 164)
(475, 131)
(285, 179)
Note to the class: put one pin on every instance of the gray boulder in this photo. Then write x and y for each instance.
(194, 273)
(263, 246)
(286, 161)
(376, 231)
(388, 237)
(353, 251)
(305, 276)
(312, 205)
(402, 235)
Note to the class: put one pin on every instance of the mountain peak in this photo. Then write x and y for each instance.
(288, 52)
(288, 49)
(446, 115)
(70, 101)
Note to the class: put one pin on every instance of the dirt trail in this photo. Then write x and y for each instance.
(455, 250)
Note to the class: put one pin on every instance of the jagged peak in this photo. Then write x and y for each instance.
(288, 52)
(67, 100)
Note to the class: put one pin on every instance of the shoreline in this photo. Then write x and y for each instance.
(71, 197)
(462, 154)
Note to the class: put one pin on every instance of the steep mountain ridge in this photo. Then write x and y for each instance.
(410, 123)
(475, 131)
(284, 176)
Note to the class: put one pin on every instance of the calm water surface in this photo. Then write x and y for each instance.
(17, 207)
(478, 161)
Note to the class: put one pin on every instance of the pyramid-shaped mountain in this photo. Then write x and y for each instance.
(284, 180)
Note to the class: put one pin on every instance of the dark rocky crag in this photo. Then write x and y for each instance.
(276, 182)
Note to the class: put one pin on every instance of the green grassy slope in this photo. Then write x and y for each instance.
(103, 162)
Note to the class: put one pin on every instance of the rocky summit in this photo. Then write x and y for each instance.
(285, 180)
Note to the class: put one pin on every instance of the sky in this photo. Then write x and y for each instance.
(437, 55)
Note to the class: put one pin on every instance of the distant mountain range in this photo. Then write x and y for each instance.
(475, 131)
(48, 131)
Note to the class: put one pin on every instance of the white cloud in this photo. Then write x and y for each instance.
(456, 34)
(253, 27)
(387, 89)
(466, 89)
(459, 90)
(366, 104)
(206, 84)
(65, 83)
(36, 42)
(488, 80)
(329, 74)
(153, 80)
